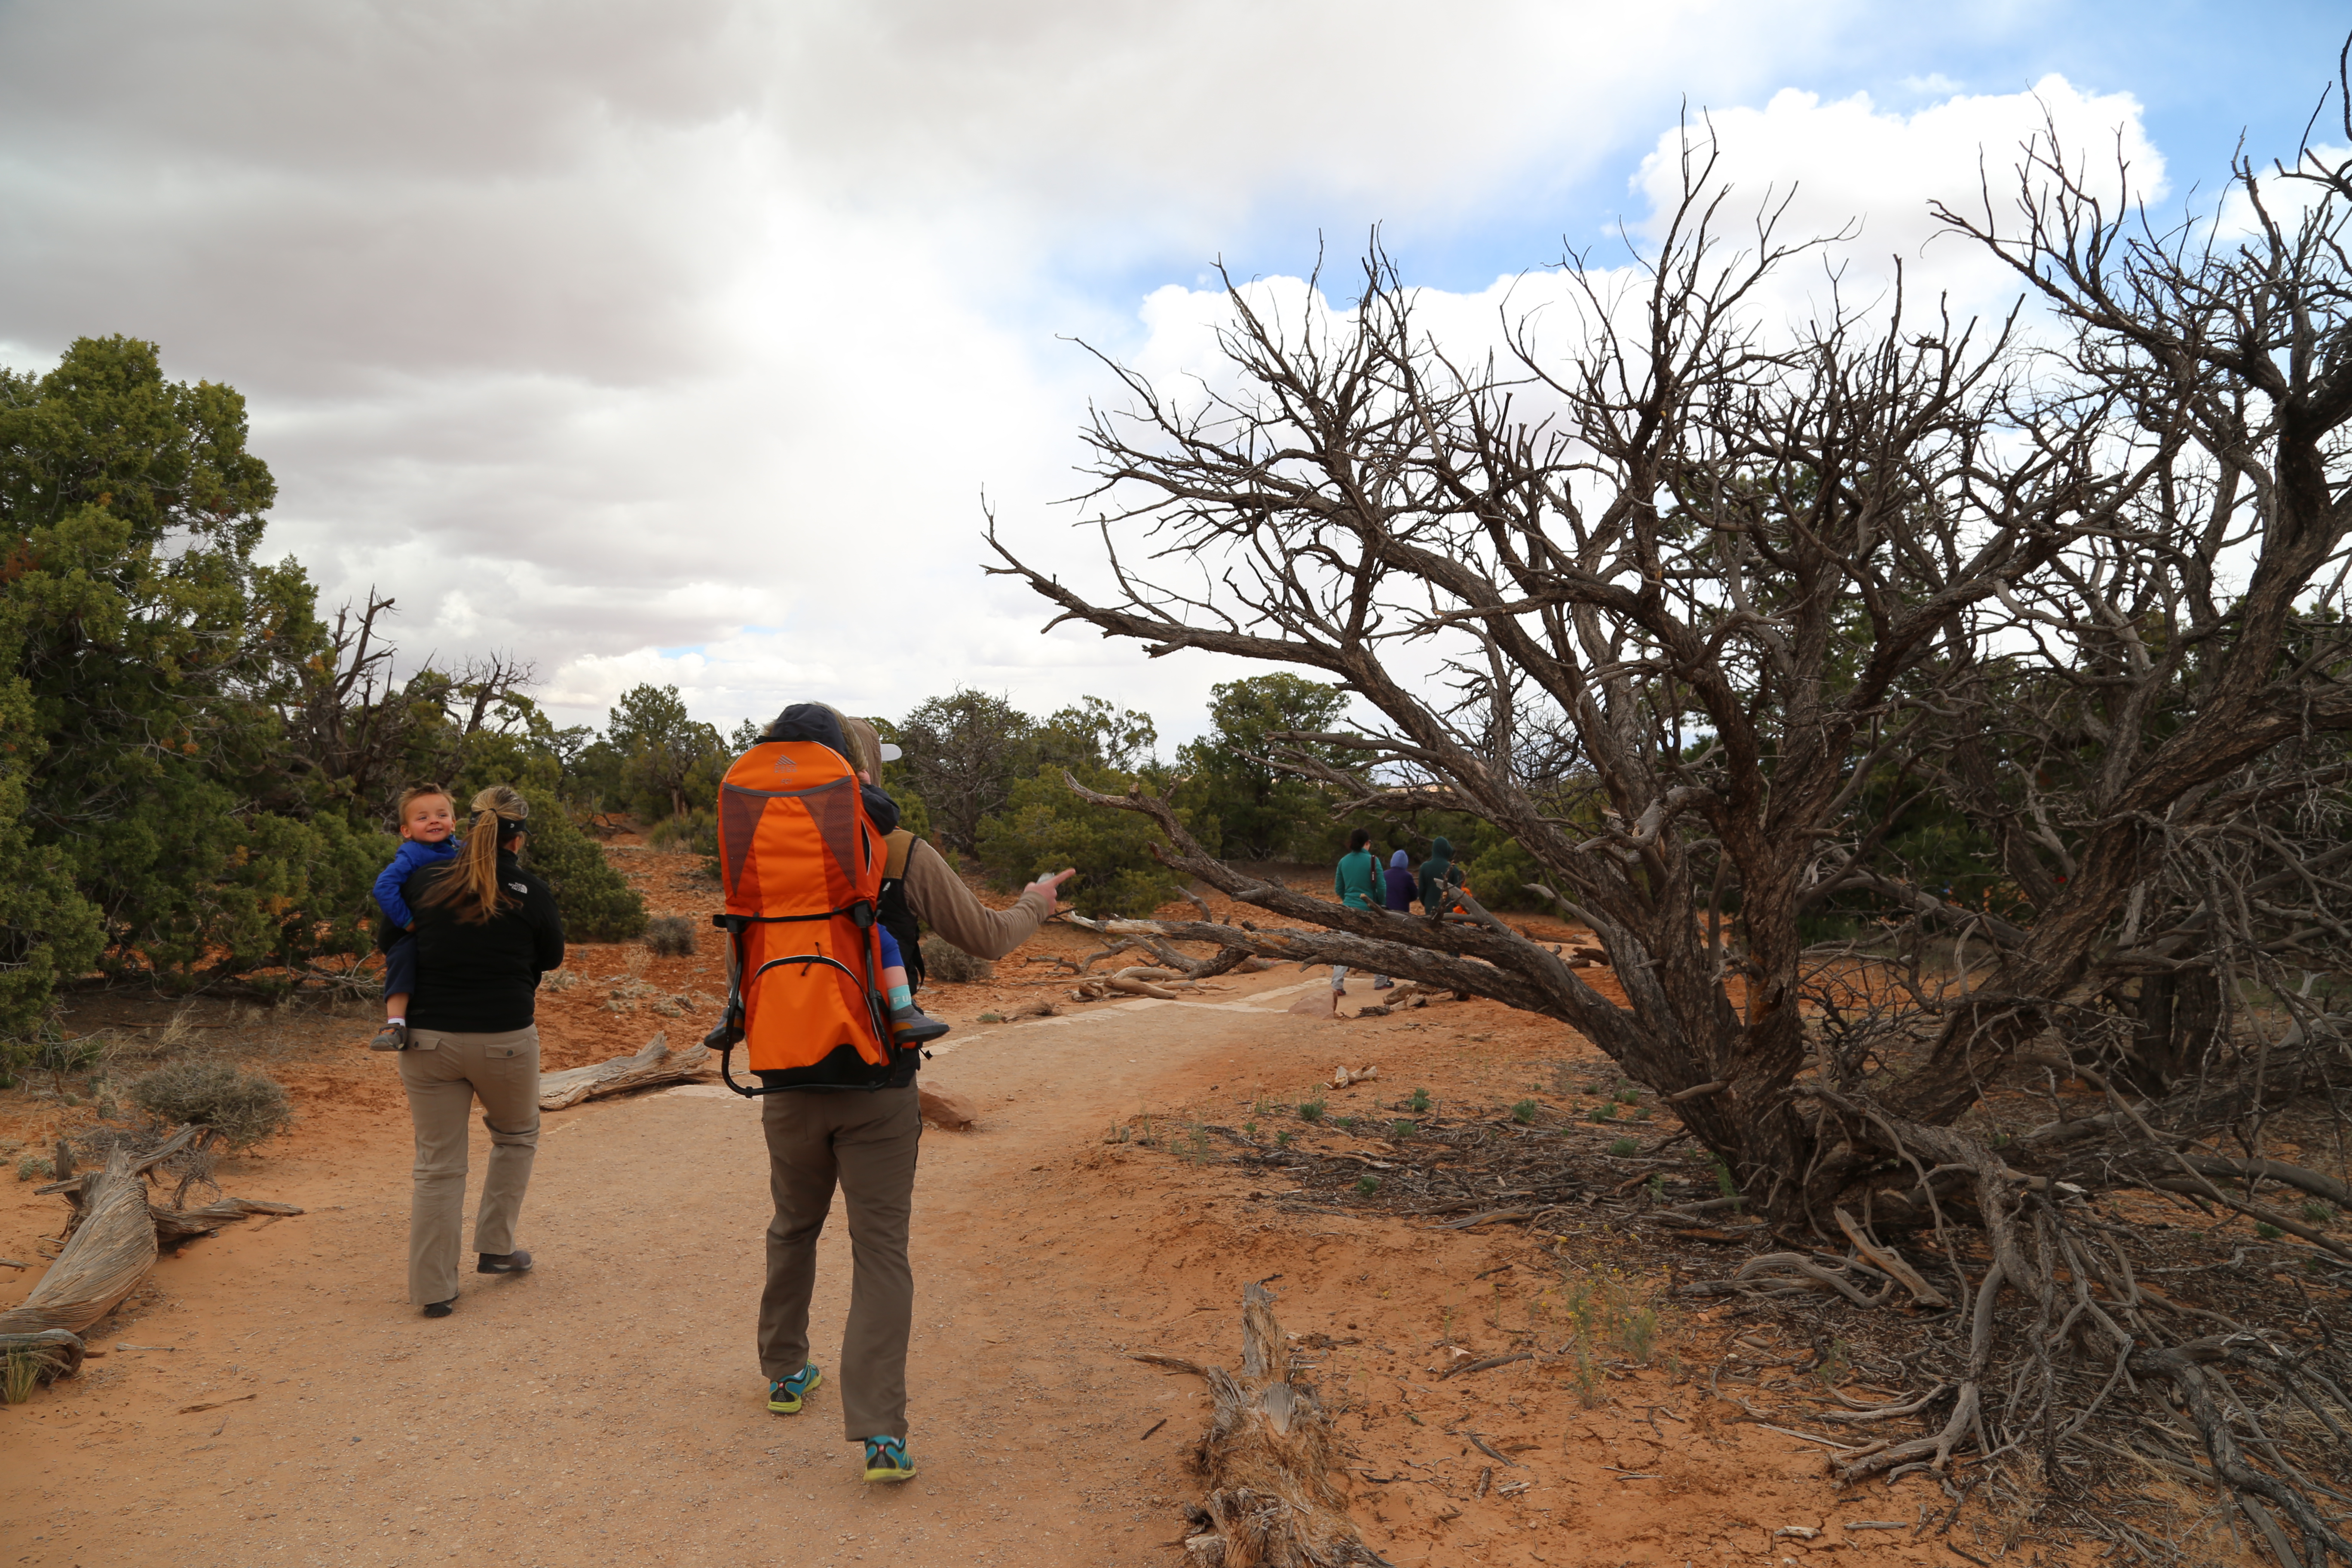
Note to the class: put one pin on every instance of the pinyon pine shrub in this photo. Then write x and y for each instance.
(596, 901)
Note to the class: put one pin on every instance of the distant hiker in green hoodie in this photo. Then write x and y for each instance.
(1439, 874)
(1357, 881)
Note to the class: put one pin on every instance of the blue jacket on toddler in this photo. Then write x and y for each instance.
(414, 855)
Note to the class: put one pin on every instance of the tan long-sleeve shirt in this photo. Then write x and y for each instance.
(943, 902)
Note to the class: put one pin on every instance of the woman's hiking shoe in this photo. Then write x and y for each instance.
(911, 1025)
(390, 1038)
(787, 1395)
(887, 1460)
(503, 1263)
(441, 1308)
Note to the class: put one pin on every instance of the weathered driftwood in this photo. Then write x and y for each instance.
(172, 1226)
(1138, 979)
(656, 1063)
(1271, 1460)
(113, 1237)
(111, 1250)
(60, 1350)
(182, 1137)
(1148, 936)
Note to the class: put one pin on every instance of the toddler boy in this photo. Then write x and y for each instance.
(428, 823)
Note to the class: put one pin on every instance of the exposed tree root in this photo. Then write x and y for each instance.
(2063, 1332)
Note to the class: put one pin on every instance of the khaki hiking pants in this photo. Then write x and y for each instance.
(443, 1073)
(866, 1143)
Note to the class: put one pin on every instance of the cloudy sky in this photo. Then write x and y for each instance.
(681, 342)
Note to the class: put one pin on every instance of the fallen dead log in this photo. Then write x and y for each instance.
(1271, 1461)
(115, 1237)
(182, 1138)
(1134, 988)
(1103, 987)
(656, 1063)
(1147, 935)
(111, 1252)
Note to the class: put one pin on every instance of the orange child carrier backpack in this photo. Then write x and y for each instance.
(802, 866)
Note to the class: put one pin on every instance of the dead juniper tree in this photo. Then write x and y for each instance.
(367, 733)
(1709, 615)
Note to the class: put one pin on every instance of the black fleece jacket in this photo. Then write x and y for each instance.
(482, 979)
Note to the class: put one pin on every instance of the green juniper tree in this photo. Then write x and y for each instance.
(666, 755)
(150, 656)
(1261, 811)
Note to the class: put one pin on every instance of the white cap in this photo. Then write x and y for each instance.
(891, 753)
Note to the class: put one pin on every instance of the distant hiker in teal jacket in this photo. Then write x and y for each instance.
(1357, 881)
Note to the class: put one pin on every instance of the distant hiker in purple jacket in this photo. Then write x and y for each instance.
(1400, 889)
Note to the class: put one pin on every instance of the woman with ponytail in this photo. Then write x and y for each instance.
(485, 931)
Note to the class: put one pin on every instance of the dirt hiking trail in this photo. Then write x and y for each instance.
(607, 1408)
(269, 1397)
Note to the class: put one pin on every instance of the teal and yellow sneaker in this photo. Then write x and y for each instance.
(887, 1460)
(787, 1395)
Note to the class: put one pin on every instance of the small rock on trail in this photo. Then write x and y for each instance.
(947, 1108)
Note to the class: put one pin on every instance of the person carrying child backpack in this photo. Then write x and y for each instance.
(801, 830)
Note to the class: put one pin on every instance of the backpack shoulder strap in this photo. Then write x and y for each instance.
(898, 846)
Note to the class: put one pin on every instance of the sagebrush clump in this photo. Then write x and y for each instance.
(670, 936)
(243, 1107)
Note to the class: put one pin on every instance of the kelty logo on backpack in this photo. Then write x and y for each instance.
(784, 764)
